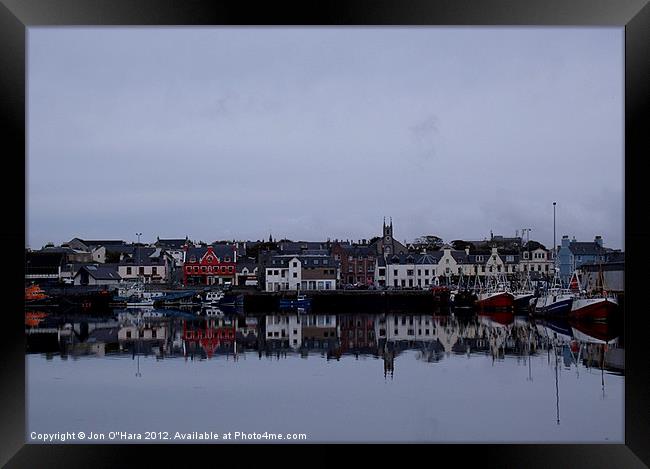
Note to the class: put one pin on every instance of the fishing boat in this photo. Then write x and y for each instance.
(556, 301)
(524, 295)
(134, 296)
(464, 297)
(598, 305)
(496, 295)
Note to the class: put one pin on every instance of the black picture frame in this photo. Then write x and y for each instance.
(634, 15)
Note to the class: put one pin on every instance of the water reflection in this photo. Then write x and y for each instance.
(328, 374)
(178, 333)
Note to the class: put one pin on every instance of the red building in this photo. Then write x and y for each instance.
(210, 265)
(357, 263)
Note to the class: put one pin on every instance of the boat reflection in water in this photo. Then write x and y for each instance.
(432, 363)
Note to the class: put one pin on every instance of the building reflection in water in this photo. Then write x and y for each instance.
(171, 334)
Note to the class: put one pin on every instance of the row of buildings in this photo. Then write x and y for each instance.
(279, 265)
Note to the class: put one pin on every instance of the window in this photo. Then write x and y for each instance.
(229, 268)
(128, 270)
(395, 272)
(128, 334)
(141, 270)
(227, 259)
(154, 270)
(196, 268)
(426, 271)
(154, 334)
(203, 269)
(295, 264)
(409, 272)
(382, 271)
(295, 275)
(325, 261)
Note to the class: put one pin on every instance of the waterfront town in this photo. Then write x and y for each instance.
(271, 265)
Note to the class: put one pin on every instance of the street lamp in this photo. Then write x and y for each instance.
(554, 247)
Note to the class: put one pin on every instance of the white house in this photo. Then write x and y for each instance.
(301, 272)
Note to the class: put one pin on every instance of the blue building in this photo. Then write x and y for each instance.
(573, 254)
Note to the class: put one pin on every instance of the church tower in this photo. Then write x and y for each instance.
(388, 231)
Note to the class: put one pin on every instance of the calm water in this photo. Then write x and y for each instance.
(334, 378)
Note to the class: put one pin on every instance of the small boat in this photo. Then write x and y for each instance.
(301, 302)
(213, 297)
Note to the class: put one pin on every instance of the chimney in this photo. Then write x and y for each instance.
(599, 240)
(565, 241)
(467, 250)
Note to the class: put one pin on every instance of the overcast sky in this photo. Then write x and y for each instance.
(310, 133)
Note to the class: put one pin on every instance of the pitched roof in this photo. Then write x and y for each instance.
(173, 243)
(100, 272)
(588, 248)
(220, 250)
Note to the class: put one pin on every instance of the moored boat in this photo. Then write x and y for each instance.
(301, 302)
(599, 308)
(495, 300)
(555, 303)
(496, 296)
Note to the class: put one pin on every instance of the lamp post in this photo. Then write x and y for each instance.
(554, 246)
(138, 254)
